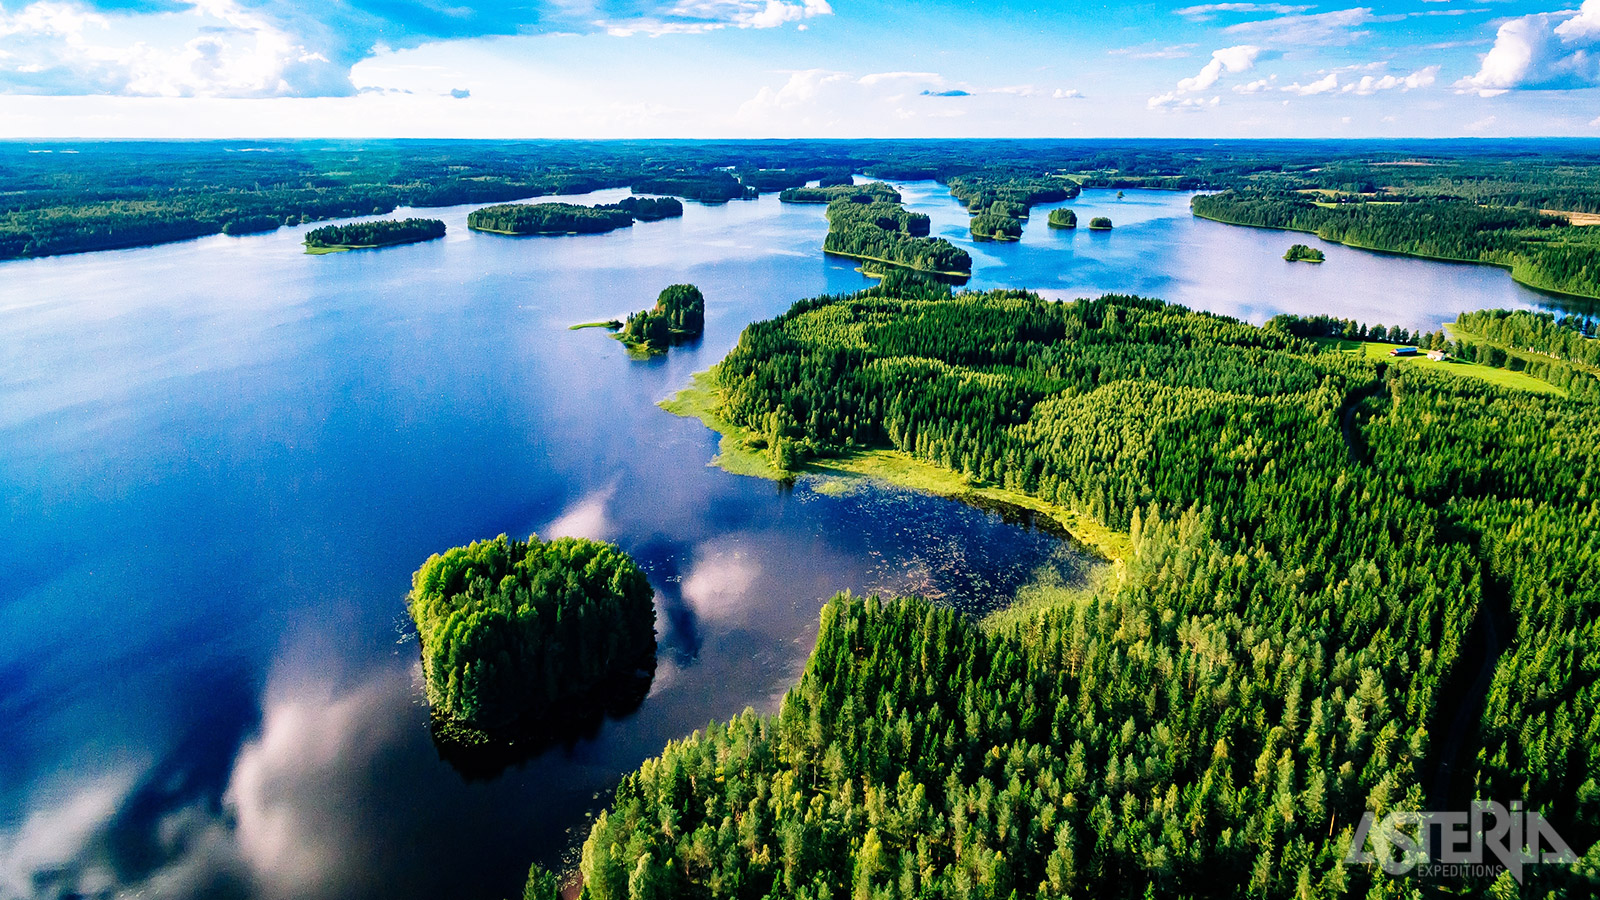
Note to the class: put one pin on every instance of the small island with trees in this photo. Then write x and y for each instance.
(679, 315)
(996, 227)
(516, 631)
(1063, 218)
(1302, 253)
(369, 235)
(1099, 223)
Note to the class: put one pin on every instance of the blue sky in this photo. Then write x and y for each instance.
(797, 68)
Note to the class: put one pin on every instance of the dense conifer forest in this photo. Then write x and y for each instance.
(995, 227)
(512, 630)
(1320, 545)
(866, 224)
(548, 218)
(374, 234)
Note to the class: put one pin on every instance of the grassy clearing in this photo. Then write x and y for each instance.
(581, 325)
(1378, 352)
(1575, 218)
(1048, 590)
(740, 454)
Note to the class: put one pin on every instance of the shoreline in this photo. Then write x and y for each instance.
(1510, 268)
(699, 399)
(325, 249)
(889, 262)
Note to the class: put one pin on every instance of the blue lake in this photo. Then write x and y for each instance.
(221, 460)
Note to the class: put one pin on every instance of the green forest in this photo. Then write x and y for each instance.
(548, 218)
(1100, 223)
(679, 315)
(1063, 218)
(1321, 547)
(382, 233)
(871, 192)
(513, 630)
(1302, 253)
(1541, 250)
(648, 209)
(863, 223)
(995, 227)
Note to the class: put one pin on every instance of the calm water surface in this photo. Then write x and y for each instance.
(221, 460)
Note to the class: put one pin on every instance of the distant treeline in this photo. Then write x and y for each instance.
(375, 234)
(548, 218)
(1540, 250)
(106, 195)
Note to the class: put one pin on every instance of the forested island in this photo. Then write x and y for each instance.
(1302, 253)
(515, 630)
(679, 315)
(1063, 218)
(868, 222)
(1213, 718)
(1099, 223)
(648, 209)
(872, 192)
(548, 218)
(1540, 249)
(365, 235)
(995, 227)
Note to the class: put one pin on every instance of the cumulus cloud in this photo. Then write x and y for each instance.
(700, 16)
(1229, 59)
(246, 48)
(1320, 29)
(1067, 94)
(1329, 82)
(1172, 102)
(1369, 85)
(1255, 87)
(1543, 51)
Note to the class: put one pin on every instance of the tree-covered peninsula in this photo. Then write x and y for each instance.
(1100, 223)
(363, 235)
(514, 630)
(679, 315)
(1063, 218)
(1303, 253)
(1542, 250)
(648, 209)
(1318, 547)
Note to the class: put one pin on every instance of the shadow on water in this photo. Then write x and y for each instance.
(480, 756)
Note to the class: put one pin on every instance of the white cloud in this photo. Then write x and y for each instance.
(1171, 51)
(701, 16)
(1231, 59)
(801, 88)
(1595, 123)
(1369, 85)
(878, 77)
(1068, 94)
(1172, 102)
(1482, 124)
(1337, 27)
(1544, 51)
(1255, 87)
(1323, 85)
(234, 52)
(1209, 10)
